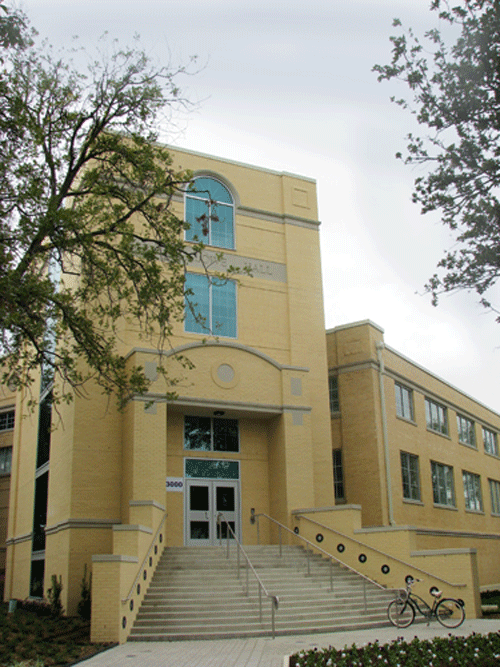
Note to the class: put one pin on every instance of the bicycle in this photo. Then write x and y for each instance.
(401, 611)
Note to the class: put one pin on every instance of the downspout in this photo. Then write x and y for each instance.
(381, 372)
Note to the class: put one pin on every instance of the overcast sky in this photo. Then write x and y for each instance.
(287, 85)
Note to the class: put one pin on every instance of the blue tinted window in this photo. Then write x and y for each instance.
(210, 306)
(210, 213)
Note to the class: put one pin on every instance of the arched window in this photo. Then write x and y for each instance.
(210, 213)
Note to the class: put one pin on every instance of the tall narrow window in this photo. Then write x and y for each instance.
(495, 496)
(210, 213)
(466, 431)
(5, 460)
(333, 386)
(404, 401)
(472, 491)
(490, 442)
(338, 475)
(210, 305)
(437, 419)
(410, 476)
(443, 487)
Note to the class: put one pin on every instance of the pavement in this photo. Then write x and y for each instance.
(265, 651)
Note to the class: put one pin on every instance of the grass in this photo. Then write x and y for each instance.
(473, 651)
(26, 638)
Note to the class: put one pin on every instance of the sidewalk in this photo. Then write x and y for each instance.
(264, 651)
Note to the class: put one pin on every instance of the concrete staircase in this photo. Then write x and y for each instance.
(195, 594)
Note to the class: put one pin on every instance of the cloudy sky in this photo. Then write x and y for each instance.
(287, 85)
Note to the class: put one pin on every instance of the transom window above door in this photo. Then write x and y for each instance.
(209, 211)
(211, 434)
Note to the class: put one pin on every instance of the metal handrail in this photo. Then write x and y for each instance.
(262, 589)
(315, 546)
(326, 553)
(129, 596)
(378, 551)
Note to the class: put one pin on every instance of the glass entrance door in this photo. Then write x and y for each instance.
(203, 501)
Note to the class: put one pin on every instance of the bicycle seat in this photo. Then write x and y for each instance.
(436, 593)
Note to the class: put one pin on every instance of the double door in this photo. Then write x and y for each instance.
(204, 500)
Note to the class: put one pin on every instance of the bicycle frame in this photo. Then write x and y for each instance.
(402, 611)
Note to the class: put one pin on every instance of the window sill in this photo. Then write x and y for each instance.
(466, 444)
(412, 501)
(494, 456)
(443, 435)
(446, 507)
(406, 420)
(470, 511)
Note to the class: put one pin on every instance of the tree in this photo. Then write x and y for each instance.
(456, 96)
(88, 239)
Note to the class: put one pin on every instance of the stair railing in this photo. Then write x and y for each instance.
(145, 560)
(378, 551)
(230, 534)
(254, 518)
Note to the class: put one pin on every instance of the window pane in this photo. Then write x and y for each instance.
(404, 401)
(224, 309)
(197, 316)
(5, 460)
(410, 476)
(197, 433)
(226, 435)
(436, 417)
(338, 475)
(197, 215)
(7, 420)
(495, 496)
(490, 442)
(333, 386)
(472, 491)
(221, 226)
(443, 489)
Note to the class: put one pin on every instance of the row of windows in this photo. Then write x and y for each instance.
(443, 485)
(436, 416)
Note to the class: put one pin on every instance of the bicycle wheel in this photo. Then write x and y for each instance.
(400, 613)
(450, 613)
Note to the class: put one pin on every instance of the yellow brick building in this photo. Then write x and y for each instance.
(415, 453)
(268, 402)
(250, 427)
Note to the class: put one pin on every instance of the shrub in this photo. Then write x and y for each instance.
(54, 595)
(85, 604)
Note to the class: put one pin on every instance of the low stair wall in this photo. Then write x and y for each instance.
(387, 555)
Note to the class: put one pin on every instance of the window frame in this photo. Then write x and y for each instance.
(410, 477)
(214, 422)
(333, 393)
(442, 417)
(194, 316)
(494, 441)
(5, 460)
(7, 420)
(338, 476)
(445, 484)
(472, 491)
(470, 430)
(494, 496)
(400, 390)
(200, 195)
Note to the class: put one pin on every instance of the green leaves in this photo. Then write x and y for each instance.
(88, 239)
(455, 95)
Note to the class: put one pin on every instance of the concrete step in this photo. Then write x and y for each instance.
(195, 593)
